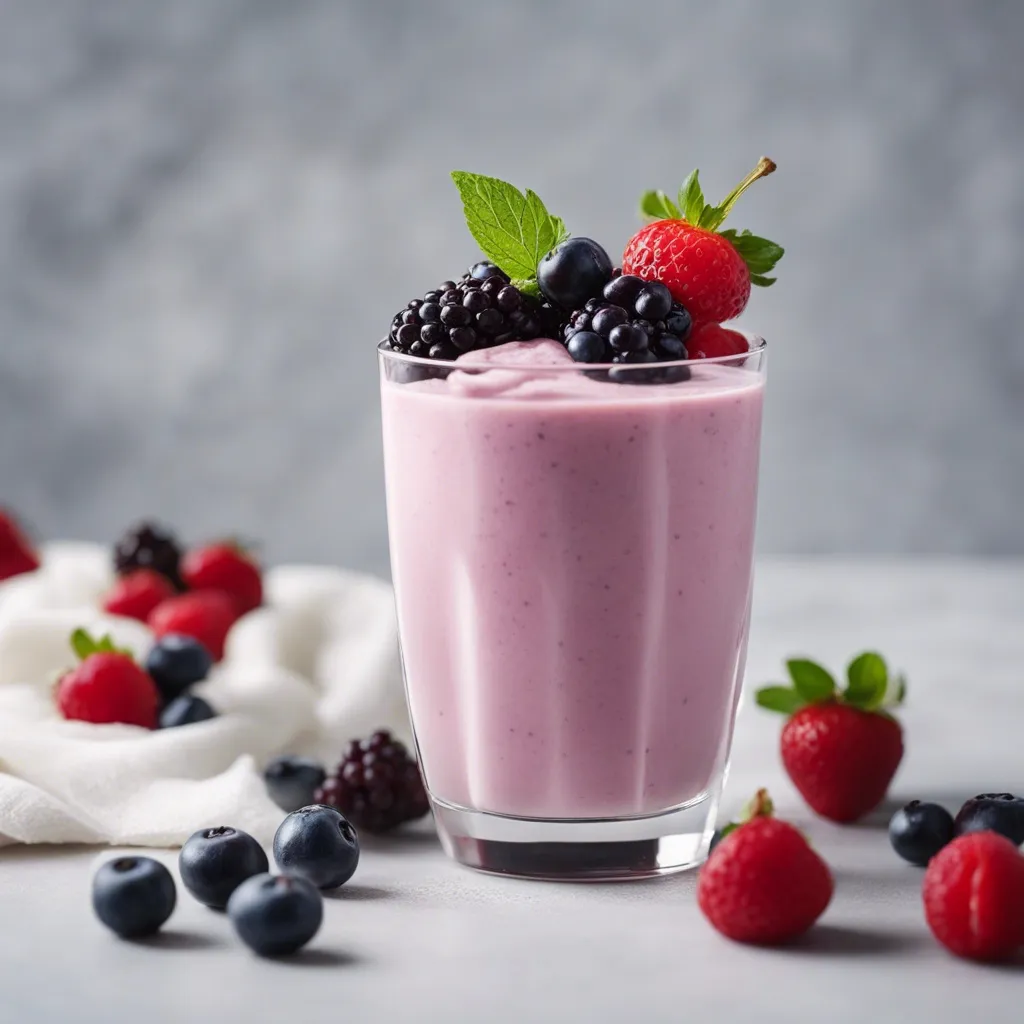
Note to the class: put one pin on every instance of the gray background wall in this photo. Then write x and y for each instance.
(209, 210)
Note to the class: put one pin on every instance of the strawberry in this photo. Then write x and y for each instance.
(204, 615)
(763, 883)
(974, 897)
(710, 341)
(841, 750)
(107, 686)
(226, 567)
(709, 271)
(137, 594)
(16, 553)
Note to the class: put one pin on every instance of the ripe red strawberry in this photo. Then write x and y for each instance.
(841, 750)
(204, 615)
(16, 553)
(763, 883)
(709, 271)
(228, 568)
(974, 897)
(709, 341)
(107, 686)
(137, 594)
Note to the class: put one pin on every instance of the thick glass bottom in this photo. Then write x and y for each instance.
(579, 850)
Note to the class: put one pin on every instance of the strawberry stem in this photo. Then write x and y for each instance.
(763, 169)
(760, 807)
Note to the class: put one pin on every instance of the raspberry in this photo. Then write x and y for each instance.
(712, 341)
(205, 615)
(148, 546)
(107, 686)
(481, 310)
(708, 271)
(225, 567)
(16, 553)
(137, 594)
(763, 883)
(377, 786)
(974, 897)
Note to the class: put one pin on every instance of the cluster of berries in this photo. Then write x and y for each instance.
(224, 868)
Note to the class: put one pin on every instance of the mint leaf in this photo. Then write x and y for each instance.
(513, 229)
(812, 682)
(780, 698)
(691, 199)
(867, 680)
(83, 644)
(658, 206)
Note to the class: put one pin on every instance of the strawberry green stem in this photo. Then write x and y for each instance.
(763, 169)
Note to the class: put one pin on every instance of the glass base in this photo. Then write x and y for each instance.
(579, 850)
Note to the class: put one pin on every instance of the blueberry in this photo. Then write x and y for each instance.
(654, 302)
(293, 781)
(456, 316)
(716, 838)
(185, 710)
(177, 662)
(430, 313)
(918, 831)
(627, 338)
(433, 333)
(463, 338)
(215, 861)
(276, 916)
(624, 290)
(671, 347)
(483, 270)
(994, 812)
(587, 347)
(133, 896)
(408, 335)
(574, 271)
(318, 844)
(678, 322)
(608, 318)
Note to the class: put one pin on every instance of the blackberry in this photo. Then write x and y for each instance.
(634, 323)
(480, 310)
(149, 546)
(377, 786)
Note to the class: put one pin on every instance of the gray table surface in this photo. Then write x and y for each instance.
(416, 939)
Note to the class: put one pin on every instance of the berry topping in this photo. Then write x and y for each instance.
(996, 812)
(918, 831)
(763, 883)
(707, 270)
(974, 897)
(712, 341)
(107, 686)
(841, 749)
(214, 862)
(16, 553)
(148, 546)
(573, 271)
(133, 896)
(176, 662)
(228, 568)
(317, 843)
(186, 710)
(206, 616)
(292, 781)
(377, 785)
(136, 594)
(276, 916)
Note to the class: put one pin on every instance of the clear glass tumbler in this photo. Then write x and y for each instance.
(572, 553)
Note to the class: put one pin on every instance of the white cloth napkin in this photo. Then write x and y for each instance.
(313, 668)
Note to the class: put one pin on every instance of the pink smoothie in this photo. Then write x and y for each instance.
(572, 564)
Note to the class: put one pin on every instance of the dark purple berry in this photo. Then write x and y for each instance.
(456, 316)
(654, 301)
(587, 347)
(475, 301)
(678, 322)
(463, 338)
(508, 299)
(574, 271)
(483, 270)
(627, 338)
(408, 334)
(149, 546)
(918, 831)
(608, 318)
(430, 312)
(622, 291)
(671, 347)
(490, 321)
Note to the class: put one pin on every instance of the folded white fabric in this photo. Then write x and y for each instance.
(315, 666)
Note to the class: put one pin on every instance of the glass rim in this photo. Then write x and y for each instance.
(758, 346)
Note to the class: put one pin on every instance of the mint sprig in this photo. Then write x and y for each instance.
(513, 229)
(759, 254)
(84, 644)
(869, 686)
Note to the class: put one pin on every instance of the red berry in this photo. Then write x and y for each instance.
(137, 594)
(204, 615)
(16, 553)
(701, 268)
(974, 897)
(109, 687)
(764, 884)
(710, 341)
(225, 567)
